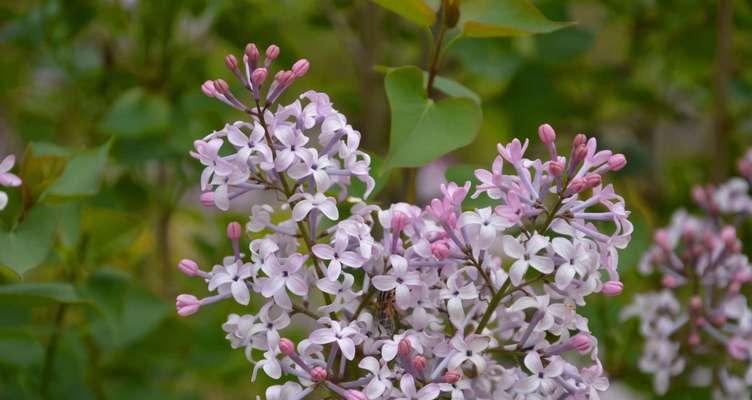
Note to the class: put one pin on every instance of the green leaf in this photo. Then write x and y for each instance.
(422, 129)
(19, 350)
(445, 85)
(416, 11)
(494, 18)
(82, 174)
(137, 114)
(52, 291)
(127, 312)
(28, 245)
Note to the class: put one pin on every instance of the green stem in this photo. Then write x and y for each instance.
(50, 352)
(492, 306)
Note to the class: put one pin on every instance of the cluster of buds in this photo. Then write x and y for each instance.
(700, 324)
(7, 179)
(407, 302)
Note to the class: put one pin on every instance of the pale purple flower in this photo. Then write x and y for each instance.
(526, 255)
(484, 225)
(380, 377)
(539, 375)
(427, 392)
(470, 349)
(337, 255)
(336, 334)
(400, 280)
(231, 278)
(318, 201)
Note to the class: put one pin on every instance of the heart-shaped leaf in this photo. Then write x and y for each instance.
(494, 18)
(137, 114)
(81, 175)
(422, 129)
(27, 246)
(416, 11)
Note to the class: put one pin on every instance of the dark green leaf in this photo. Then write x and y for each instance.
(416, 11)
(51, 291)
(493, 18)
(82, 175)
(137, 114)
(19, 350)
(422, 129)
(27, 246)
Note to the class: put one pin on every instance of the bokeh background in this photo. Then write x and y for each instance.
(114, 84)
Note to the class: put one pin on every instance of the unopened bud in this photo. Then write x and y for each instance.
(300, 67)
(251, 51)
(221, 86)
(451, 377)
(187, 304)
(546, 134)
(318, 374)
(419, 363)
(668, 281)
(404, 347)
(612, 288)
(286, 347)
(581, 342)
(208, 89)
(234, 230)
(728, 235)
(207, 199)
(617, 162)
(440, 249)
(579, 154)
(188, 267)
(353, 394)
(272, 52)
(556, 168)
(693, 339)
(231, 62)
(258, 76)
(695, 303)
(718, 320)
(592, 180)
(737, 348)
(661, 239)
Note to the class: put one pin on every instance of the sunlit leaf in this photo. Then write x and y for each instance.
(416, 11)
(422, 129)
(493, 18)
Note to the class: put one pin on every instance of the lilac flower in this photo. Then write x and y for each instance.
(336, 334)
(526, 255)
(320, 202)
(396, 299)
(337, 256)
(7, 179)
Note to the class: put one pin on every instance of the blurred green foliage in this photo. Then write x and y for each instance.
(100, 101)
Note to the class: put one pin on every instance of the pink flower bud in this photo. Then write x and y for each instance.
(353, 394)
(695, 303)
(546, 134)
(579, 154)
(612, 288)
(188, 267)
(661, 239)
(592, 180)
(581, 342)
(207, 199)
(208, 89)
(579, 140)
(221, 86)
(452, 377)
(251, 51)
(318, 374)
(259, 76)
(399, 221)
(234, 231)
(700, 322)
(419, 363)
(693, 339)
(743, 276)
(556, 168)
(231, 62)
(300, 67)
(737, 348)
(187, 304)
(404, 347)
(286, 347)
(577, 185)
(668, 281)
(272, 52)
(728, 235)
(440, 249)
(617, 162)
(718, 319)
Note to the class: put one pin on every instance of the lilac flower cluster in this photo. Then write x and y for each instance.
(700, 325)
(406, 302)
(7, 179)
